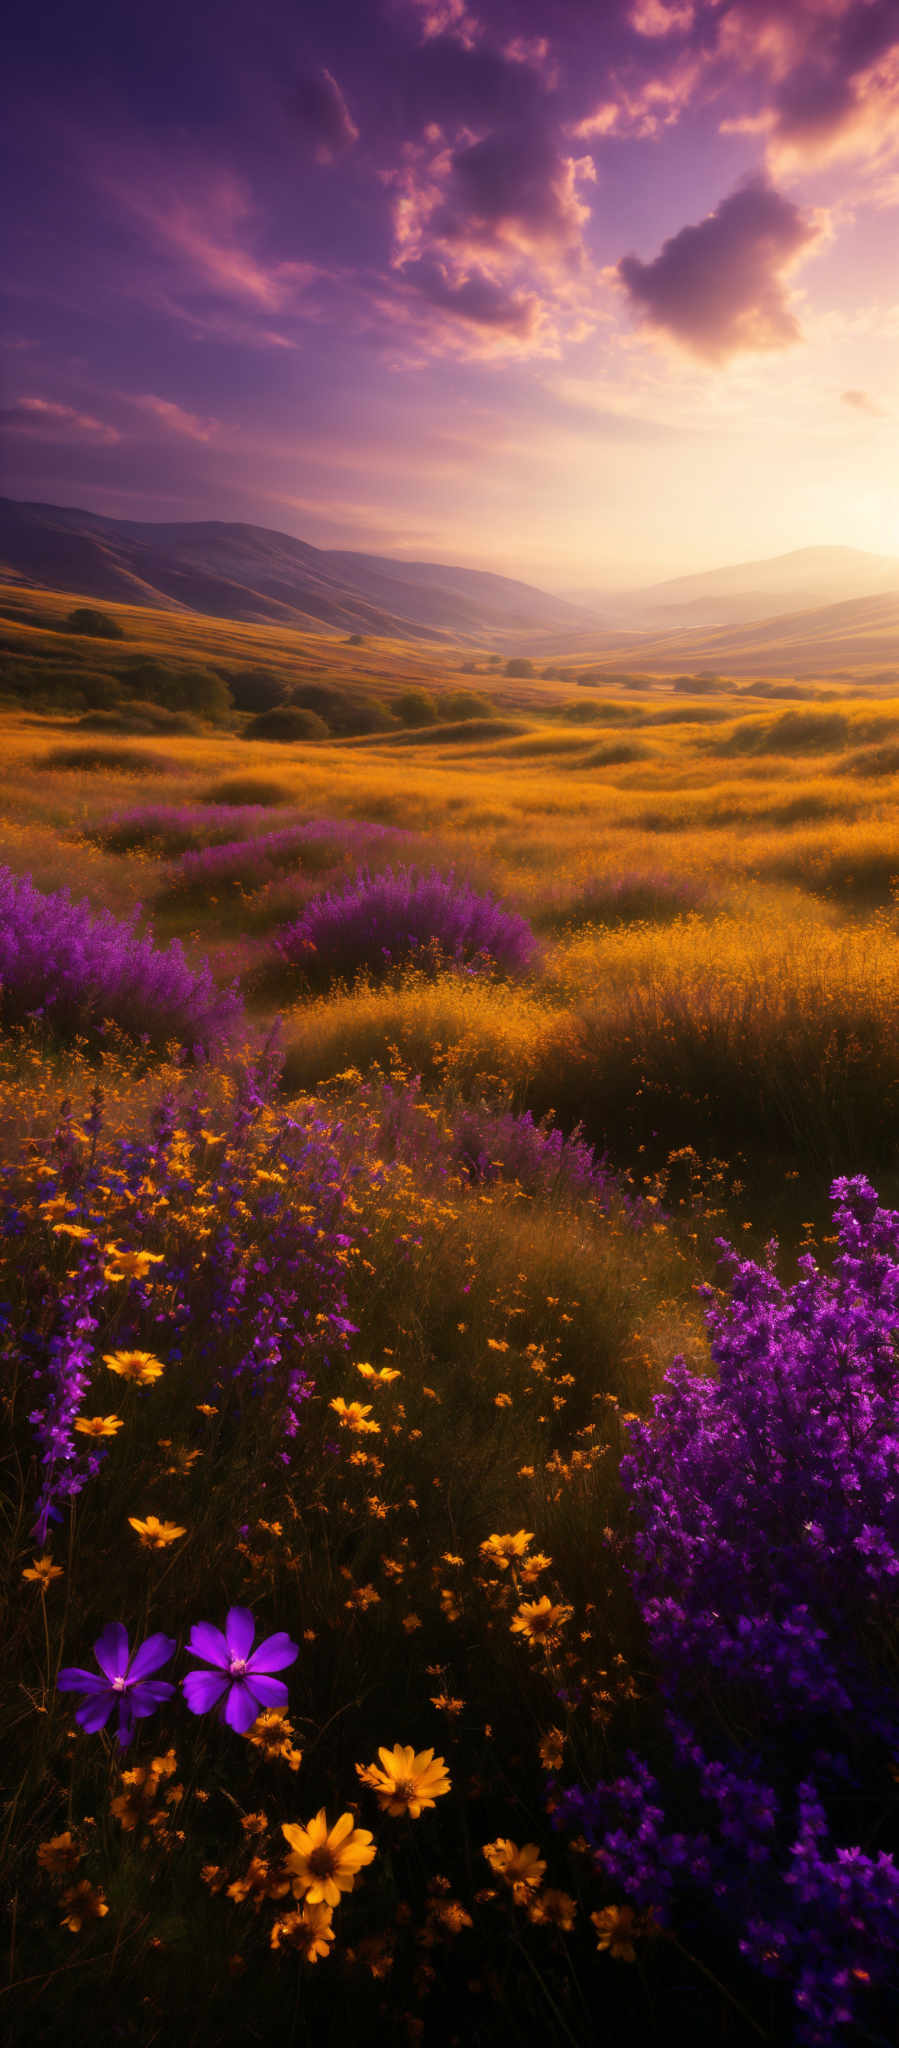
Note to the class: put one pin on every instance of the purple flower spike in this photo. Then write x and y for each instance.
(241, 1676)
(125, 1684)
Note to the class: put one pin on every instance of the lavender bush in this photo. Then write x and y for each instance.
(378, 922)
(249, 863)
(170, 828)
(767, 1559)
(76, 969)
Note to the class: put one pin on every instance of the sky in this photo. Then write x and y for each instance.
(586, 291)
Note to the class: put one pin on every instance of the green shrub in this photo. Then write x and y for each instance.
(415, 708)
(466, 704)
(255, 689)
(85, 620)
(287, 722)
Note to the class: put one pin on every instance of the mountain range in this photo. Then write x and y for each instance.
(263, 577)
(813, 610)
(744, 591)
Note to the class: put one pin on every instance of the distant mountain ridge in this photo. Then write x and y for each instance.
(260, 576)
(744, 591)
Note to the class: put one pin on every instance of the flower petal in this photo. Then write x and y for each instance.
(241, 1709)
(155, 1651)
(268, 1692)
(95, 1712)
(202, 1689)
(240, 1629)
(274, 1654)
(73, 1680)
(111, 1649)
(150, 1694)
(209, 1643)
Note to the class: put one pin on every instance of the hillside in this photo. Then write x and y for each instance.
(260, 576)
(745, 591)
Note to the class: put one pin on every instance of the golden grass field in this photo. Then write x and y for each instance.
(715, 885)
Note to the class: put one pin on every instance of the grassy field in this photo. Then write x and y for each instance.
(426, 1235)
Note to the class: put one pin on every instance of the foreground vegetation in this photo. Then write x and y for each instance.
(341, 1311)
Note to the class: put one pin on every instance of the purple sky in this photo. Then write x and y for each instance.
(576, 289)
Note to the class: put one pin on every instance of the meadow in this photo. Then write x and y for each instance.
(440, 1246)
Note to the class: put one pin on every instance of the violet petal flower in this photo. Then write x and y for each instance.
(124, 1684)
(241, 1676)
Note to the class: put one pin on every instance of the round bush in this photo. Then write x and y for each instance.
(378, 922)
(78, 970)
(287, 722)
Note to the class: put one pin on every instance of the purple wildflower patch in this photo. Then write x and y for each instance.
(76, 969)
(378, 922)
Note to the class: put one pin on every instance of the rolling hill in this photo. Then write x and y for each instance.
(744, 591)
(259, 576)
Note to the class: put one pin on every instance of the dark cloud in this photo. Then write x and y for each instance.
(861, 401)
(515, 183)
(318, 106)
(478, 299)
(718, 287)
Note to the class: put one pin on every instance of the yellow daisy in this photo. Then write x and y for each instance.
(407, 1783)
(138, 1366)
(155, 1535)
(326, 1861)
(98, 1425)
(42, 1571)
(310, 1931)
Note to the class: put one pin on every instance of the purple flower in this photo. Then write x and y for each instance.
(241, 1676)
(125, 1683)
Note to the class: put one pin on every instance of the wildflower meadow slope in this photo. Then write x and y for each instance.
(449, 1303)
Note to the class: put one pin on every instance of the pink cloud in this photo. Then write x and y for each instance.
(861, 401)
(661, 17)
(717, 288)
(47, 419)
(448, 18)
(176, 419)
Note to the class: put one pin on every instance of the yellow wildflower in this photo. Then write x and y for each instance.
(98, 1425)
(129, 1265)
(42, 1571)
(138, 1366)
(541, 1620)
(257, 1884)
(446, 1704)
(354, 1415)
(83, 1902)
(617, 1928)
(407, 1783)
(272, 1733)
(326, 1861)
(155, 1535)
(502, 1550)
(310, 1931)
(554, 1909)
(59, 1856)
(522, 1869)
(382, 1377)
(551, 1749)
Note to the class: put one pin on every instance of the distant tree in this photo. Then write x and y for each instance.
(255, 689)
(287, 722)
(415, 708)
(85, 620)
(181, 689)
(519, 666)
(583, 711)
(355, 640)
(344, 710)
(466, 704)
